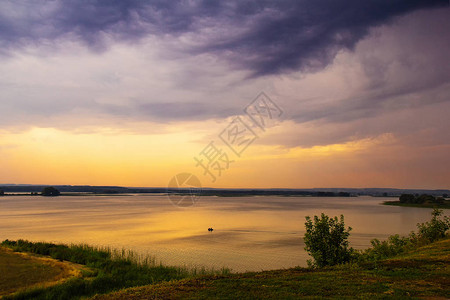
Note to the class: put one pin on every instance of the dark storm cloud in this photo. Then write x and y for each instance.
(307, 35)
(405, 72)
(264, 37)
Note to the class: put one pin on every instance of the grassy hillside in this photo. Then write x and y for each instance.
(106, 270)
(23, 271)
(422, 273)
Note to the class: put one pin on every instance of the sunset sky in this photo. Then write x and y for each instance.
(130, 93)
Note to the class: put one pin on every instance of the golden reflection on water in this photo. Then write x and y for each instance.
(250, 233)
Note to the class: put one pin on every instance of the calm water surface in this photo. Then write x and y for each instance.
(250, 233)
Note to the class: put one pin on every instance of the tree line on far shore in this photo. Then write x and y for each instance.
(421, 199)
(47, 191)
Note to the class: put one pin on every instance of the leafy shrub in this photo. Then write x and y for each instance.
(326, 241)
(435, 229)
(428, 232)
(393, 246)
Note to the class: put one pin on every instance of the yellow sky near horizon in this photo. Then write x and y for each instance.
(51, 156)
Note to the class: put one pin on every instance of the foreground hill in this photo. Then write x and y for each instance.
(19, 271)
(422, 273)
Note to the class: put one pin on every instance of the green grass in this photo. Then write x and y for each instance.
(24, 271)
(111, 270)
(421, 273)
(445, 205)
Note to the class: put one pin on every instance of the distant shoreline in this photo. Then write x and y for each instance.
(206, 191)
(446, 205)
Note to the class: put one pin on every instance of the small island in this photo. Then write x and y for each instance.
(424, 200)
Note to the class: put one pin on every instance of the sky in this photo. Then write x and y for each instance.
(352, 93)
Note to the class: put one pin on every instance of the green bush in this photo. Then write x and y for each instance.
(428, 232)
(435, 229)
(393, 246)
(326, 241)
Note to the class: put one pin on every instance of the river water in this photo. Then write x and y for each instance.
(250, 233)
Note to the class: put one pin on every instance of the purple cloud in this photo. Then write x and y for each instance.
(264, 37)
